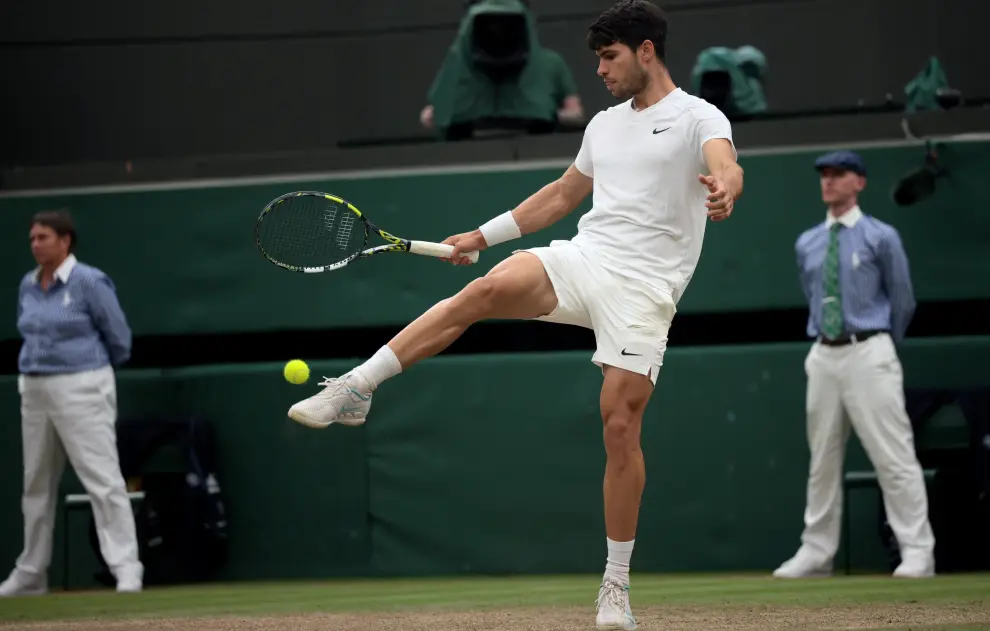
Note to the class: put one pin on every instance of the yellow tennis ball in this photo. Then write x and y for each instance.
(296, 371)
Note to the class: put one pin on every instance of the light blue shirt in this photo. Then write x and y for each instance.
(874, 277)
(76, 325)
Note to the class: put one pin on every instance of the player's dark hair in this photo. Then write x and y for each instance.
(630, 22)
(60, 221)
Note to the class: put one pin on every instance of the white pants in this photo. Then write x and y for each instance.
(74, 415)
(630, 319)
(861, 385)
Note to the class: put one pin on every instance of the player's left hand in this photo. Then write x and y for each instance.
(720, 200)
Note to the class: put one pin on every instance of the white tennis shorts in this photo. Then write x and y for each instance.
(630, 319)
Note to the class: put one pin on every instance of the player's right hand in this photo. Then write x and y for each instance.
(472, 241)
(426, 117)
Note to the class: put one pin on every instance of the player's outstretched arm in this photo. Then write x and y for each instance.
(725, 182)
(553, 202)
(543, 208)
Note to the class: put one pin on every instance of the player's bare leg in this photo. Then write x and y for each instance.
(518, 287)
(624, 398)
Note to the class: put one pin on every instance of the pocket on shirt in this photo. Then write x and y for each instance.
(864, 277)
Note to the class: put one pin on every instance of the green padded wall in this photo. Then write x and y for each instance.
(486, 464)
(185, 261)
(139, 393)
(11, 474)
(494, 464)
(297, 504)
(297, 501)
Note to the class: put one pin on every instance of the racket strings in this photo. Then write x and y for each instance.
(310, 231)
(344, 232)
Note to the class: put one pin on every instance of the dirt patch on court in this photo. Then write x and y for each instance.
(685, 618)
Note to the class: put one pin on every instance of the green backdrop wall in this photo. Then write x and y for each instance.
(185, 261)
(494, 464)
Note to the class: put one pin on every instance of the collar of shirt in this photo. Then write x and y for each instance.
(62, 272)
(848, 218)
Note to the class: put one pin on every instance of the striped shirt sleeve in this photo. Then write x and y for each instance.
(896, 276)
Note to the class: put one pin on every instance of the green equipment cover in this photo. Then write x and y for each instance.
(731, 79)
(496, 70)
(922, 91)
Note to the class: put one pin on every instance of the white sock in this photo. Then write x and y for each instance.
(617, 564)
(381, 366)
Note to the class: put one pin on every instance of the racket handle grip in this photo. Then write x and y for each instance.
(439, 250)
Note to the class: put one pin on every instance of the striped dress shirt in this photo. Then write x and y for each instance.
(76, 325)
(874, 275)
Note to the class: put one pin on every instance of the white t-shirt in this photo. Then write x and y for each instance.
(648, 216)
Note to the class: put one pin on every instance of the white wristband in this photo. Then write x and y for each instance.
(500, 229)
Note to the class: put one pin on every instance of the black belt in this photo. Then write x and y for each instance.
(852, 338)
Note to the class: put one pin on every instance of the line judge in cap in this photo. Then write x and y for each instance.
(855, 276)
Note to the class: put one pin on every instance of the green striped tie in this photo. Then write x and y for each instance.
(832, 305)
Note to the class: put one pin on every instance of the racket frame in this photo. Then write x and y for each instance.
(395, 244)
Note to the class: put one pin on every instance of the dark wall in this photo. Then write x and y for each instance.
(114, 82)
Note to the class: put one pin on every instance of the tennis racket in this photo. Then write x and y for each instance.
(312, 232)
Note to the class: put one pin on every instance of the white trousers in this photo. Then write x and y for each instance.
(74, 415)
(861, 385)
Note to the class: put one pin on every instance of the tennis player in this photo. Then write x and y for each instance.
(660, 164)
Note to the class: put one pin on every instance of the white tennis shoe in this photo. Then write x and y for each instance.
(614, 611)
(23, 584)
(344, 400)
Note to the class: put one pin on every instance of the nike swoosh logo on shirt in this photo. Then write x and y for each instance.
(660, 131)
